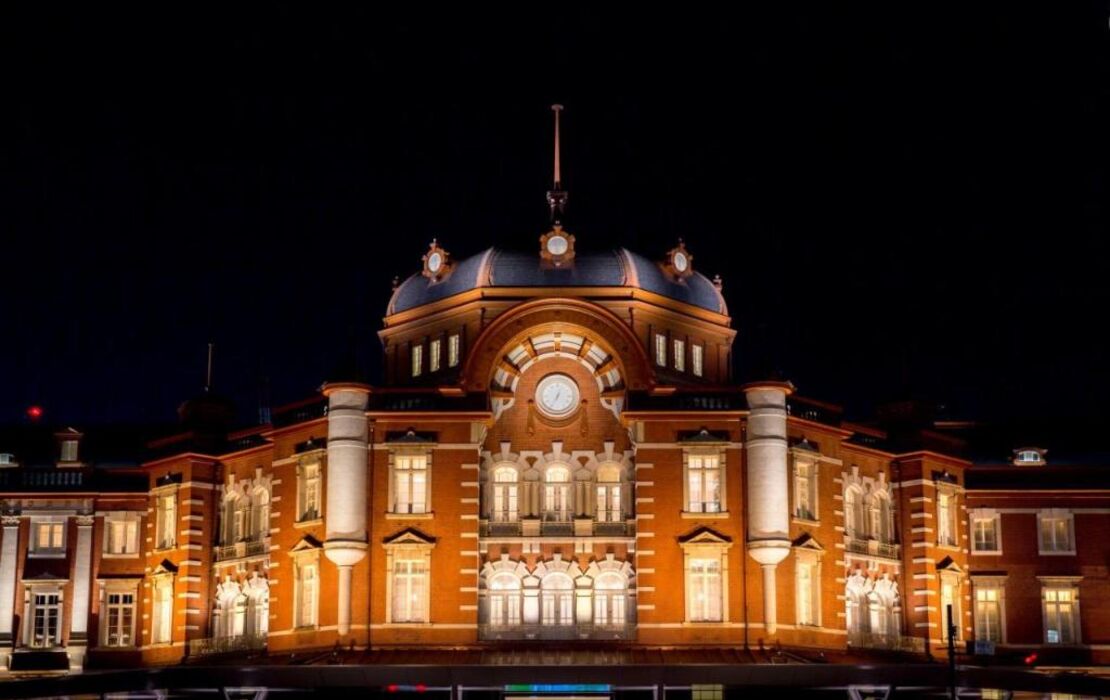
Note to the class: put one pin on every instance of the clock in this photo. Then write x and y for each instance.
(557, 396)
(557, 245)
(680, 262)
(435, 261)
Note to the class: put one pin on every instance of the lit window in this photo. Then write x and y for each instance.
(453, 350)
(703, 585)
(697, 359)
(610, 599)
(660, 349)
(46, 614)
(984, 532)
(807, 591)
(608, 502)
(48, 536)
(69, 451)
(417, 360)
(556, 494)
(557, 599)
(165, 520)
(410, 590)
(505, 495)
(680, 355)
(1029, 457)
(1060, 620)
(1056, 533)
(504, 600)
(309, 491)
(805, 489)
(853, 512)
(988, 612)
(260, 515)
(949, 596)
(433, 354)
(161, 627)
(307, 594)
(410, 483)
(119, 622)
(879, 512)
(703, 482)
(121, 534)
(946, 511)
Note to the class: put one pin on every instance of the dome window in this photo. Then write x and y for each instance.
(1029, 456)
(678, 263)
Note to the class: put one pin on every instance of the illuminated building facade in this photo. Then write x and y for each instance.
(557, 454)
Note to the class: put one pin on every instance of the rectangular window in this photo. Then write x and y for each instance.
(121, 534)
(165, 520)
(1056, 535)
(307, 595)
(453, 350)
(1059, 616)
(680, 355)
(410, 589)
(660, 349)
(703, 581)
(433, 354)
(703, 478)
(608, 503)
(984, 533)
(119, 627)
(805, 489)
(697, 359)
(410, 484)
(945, 512)
(949, 596)
(161, 627)
(310, 489)
(69, 451)
(46, 614)
(48, 536)
(988, 613)
(808, 592)
(417, 360)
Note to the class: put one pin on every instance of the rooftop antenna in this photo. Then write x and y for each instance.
(208, 374)
(556, 197)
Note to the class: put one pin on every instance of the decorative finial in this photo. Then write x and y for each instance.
(717, 282)
(396, 282)
(556, 196)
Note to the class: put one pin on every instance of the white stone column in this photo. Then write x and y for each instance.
(9, 549)
(82, 588)
(768, 487)
(347, 479)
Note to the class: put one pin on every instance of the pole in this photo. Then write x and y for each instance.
(951, 654)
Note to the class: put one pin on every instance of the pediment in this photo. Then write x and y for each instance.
(409, 537)
(705, 535)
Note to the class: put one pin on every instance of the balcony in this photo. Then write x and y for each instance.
(539, 632)
(534, 527)
(889, 642)
(226, 645)
(874, 548)
(240, 550)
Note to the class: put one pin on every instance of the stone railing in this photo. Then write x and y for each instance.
(226, 645)
(874, 548)
(534, 527)
(542, 632)
(238, 550)
(891, 642)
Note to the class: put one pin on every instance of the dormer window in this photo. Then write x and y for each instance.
(7, 459)
(1029, 456)
(69, 450)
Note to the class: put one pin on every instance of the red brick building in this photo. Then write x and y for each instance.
(558, 453)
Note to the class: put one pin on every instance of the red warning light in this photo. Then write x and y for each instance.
(420, 687)
(1031, 659)
(34, 412)
(392, 687)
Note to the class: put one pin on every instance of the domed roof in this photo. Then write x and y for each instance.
(503, 268)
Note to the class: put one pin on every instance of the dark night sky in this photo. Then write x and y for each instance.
(899, 204)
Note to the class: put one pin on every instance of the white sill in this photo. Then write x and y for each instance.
(804, 521)
(1070, 553)
(130, 647)
(986, 553)
(304, 524)
(696, 515)
(119, 555)
(410, 516)
(47, 554)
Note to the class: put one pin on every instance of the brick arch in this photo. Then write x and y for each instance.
(601, 326)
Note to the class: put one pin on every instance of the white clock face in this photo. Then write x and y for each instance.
(435, 261)
(557, 395)
(556, 245)
(681, 262)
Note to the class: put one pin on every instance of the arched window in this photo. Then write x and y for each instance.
(557, 599)
(610, 599)
(259, 614)
(505, 495)
(857, 609)
(556, 494)
(504, 600)
(609, 494)
(853, 512)
(880, 514)
(232, 526)
(260, 515)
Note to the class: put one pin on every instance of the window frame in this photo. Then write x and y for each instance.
(697, 359)
(34, 606)
(1055, 514)
(678, 346)
(950, 578)
(1057, 584)
(979, 515)
(454, 349)
(996, 584)
(660, 349)
(58, 526)
(417, 359)
(810, 560)
(688, 471)
(109, 588)
(409, 552)
(161, 609)
(400, 474)
(951, 525)
(161, 518)
(131, 524)
(811, 488)
(310, 512)
(435, 347)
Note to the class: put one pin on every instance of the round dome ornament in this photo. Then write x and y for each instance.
(436, 261)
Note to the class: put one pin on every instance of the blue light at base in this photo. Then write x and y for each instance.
(558, 688)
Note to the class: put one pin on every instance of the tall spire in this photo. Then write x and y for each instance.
(556, 196)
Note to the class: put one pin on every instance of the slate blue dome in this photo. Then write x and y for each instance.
(503, 268)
